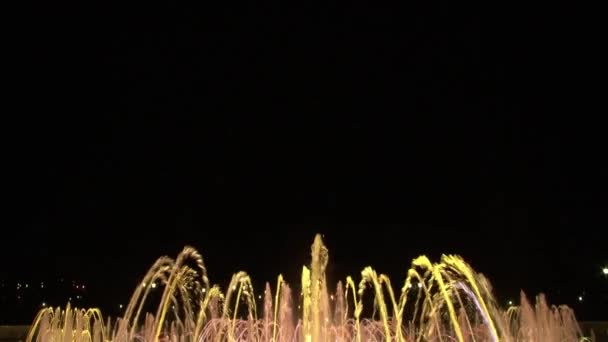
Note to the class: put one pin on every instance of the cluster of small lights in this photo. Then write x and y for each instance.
(78, 285)
(25, 285)
(152, 285)
(21, 286)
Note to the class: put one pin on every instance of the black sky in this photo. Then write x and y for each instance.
(244, 129)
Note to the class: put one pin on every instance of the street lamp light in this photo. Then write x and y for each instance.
(605, 271)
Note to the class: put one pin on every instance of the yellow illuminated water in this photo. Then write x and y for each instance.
(442, 301)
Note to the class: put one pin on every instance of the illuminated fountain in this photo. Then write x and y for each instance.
(444, 301)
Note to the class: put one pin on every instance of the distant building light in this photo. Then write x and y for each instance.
(27, 285)
(153, 285)
(204, 290)
(580, 298)
(120, 306)
(234, 287)
(605, 271)
(43, 304)
(510, 302)
(143, 284)
(259, 296)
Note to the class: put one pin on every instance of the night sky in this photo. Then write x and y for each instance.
(244, 129)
